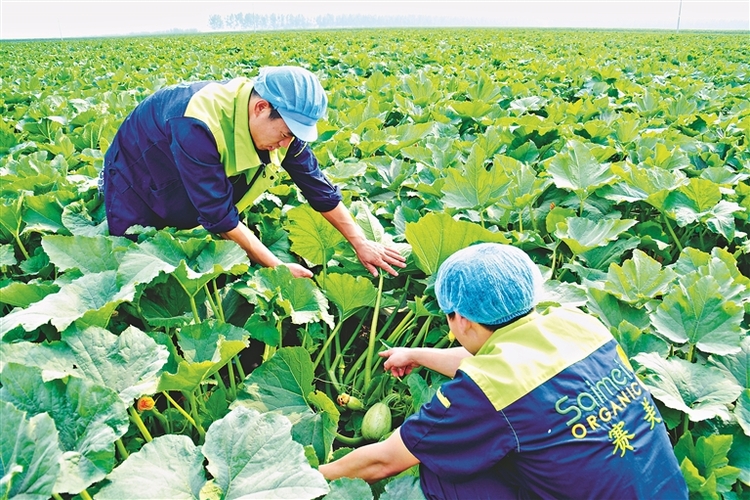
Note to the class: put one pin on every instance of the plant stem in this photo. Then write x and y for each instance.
(121, 448)
(373, 334)
(20, 245)
(85, 495)
(268, 351)
(422, 331)
(685, 423)
(334, 380)
(194, 409)
(327, 343)
(162, 420)
(240, 370)
(210, 300)
(194, 308)
(57, 496)
(338, 360)
(691, 353)
(671, 232)
(405, 323)
(232, 382)
(349, 441)
(217, 298)
(136, 419)
(185, 414)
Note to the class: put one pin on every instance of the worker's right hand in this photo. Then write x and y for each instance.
(400, 361)
(298, 271)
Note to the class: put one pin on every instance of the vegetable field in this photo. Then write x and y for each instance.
(171, 367)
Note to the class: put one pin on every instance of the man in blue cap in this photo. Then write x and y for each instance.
(539, 405)
(200, 153)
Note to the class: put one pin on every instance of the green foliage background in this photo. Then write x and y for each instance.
(618, 160)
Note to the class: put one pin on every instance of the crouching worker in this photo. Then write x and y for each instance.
(539, 405)
(200, 153)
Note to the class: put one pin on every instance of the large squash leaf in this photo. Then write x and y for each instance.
(252, 455)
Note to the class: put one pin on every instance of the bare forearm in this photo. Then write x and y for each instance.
(361, 463)
(372, 462)
(373, 255)
(444, 361)
(341, 219)
(253, 247)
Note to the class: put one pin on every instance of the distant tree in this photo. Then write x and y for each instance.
(235, 21)
(216, 22)
(250, 21)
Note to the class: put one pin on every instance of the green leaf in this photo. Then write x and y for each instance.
(44, 212)
(129, 363)
(91, 298)
(406, 135)
(370, 224)
(284, 384)
(313, 237)
(709, 456)
(640, 183)
(206, 347)
(87, 254)
(735, 366)
(403, 487)
(700, 315)
(194, 261)
(165, 304)
(721, 265)
(738, 456)
(613, 252)
(253, 455)
(437, 236)
(299, 298)
(474, 186)
(697, 484)
(263, 329)
(76, 219)
(170, 466)
(613, 312)
(700, 201)
(697, 390)
(349, 293)
(21, 294)
(742, 411)
(347, 488)
(29, 456)
(7, 257)
(525, 104)
(639, 279)
(634, 340)
(88, 417)
(420, 392)
(525, 185)
(212, 261)
(582, 234)
(55, 359)
(576, 169)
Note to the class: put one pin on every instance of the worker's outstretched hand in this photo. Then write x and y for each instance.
(400, 361)
(374, 255)
(298, 271)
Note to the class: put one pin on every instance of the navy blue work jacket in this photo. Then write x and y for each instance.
(170, 161)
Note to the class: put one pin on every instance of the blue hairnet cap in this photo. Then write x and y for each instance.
(298, 96)
(488, 283)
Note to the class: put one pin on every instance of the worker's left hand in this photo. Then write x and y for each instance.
(298, 271)
(374, 255)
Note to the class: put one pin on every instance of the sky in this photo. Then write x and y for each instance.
(60, 19)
